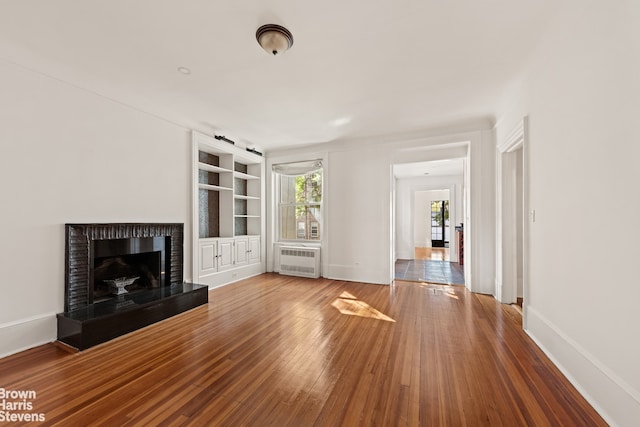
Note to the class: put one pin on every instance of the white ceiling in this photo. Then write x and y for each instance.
(358, 68)
(448, 167)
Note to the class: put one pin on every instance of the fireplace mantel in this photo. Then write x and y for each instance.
(78, 253)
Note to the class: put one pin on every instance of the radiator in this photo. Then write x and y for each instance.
(299, 261)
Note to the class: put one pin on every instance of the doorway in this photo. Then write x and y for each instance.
(427, 253)
(512, 226)
(439, 223)
(464, 163)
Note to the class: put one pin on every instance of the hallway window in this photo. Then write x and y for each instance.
(299, 187)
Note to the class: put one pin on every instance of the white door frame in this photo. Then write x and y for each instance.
(478, 194)
(506, 227)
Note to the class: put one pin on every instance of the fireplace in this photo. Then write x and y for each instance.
(87, 246)
(120, 277)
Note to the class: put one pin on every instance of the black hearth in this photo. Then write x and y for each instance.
(121, 277)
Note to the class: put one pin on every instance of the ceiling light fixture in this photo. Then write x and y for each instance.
(184, 70)
(274, 39)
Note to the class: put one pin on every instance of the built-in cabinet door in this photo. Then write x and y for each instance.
(254, 250)
(225, 254)
(242, 251)
(208, 254)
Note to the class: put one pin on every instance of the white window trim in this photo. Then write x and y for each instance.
(276, 205)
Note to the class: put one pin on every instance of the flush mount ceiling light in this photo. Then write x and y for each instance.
(274, 39)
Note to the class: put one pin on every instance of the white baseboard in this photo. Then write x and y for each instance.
(233, 275)
(377, 276)
(27, 333)
(614, 399)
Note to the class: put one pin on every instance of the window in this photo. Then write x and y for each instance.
(299, 187)
(315, 233)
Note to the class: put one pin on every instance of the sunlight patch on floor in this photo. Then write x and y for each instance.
(348, 304)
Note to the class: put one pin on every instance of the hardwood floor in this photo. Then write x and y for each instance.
(437, 254)
(282, 351)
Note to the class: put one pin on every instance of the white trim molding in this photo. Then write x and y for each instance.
(516, 137)
(508, 224)
(614, 399)
(27, 333)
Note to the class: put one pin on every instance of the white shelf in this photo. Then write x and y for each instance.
(242, 175)
(214, 187)
(247, 216)
(210, 168)
(241, 197)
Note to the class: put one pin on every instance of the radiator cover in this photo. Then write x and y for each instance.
(299, 261)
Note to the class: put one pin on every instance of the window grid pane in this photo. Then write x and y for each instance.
(300, 209)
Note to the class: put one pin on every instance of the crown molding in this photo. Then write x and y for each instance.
(516, 137)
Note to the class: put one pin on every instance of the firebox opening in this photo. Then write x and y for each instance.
(123, 266)
(133, 272)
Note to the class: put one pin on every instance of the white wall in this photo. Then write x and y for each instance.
(68, 155)
(581, 93)
(357, 243)
(358, 188)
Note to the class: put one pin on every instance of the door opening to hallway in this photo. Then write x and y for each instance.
(430, 198)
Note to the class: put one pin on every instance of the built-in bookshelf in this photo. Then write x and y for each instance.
(228, 209)
(247, 187)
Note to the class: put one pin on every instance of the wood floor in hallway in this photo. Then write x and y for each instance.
(282, 351)
(436, 254)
